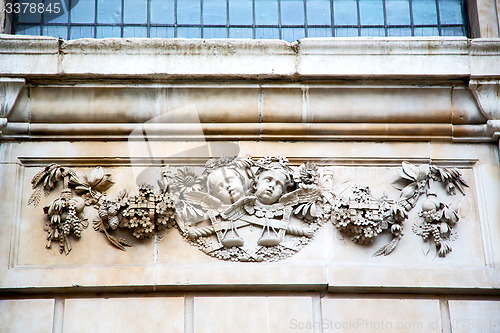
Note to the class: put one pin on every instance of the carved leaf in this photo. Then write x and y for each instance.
(410, 170)
(387, 249)
(96, 176)
(408, 191)
(105, 184)
(400, 183)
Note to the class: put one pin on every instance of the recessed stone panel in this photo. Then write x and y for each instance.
(379, 314)
(250, 314)
(28, 315)
(150, 314)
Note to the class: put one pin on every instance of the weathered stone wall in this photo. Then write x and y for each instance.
(357, 108)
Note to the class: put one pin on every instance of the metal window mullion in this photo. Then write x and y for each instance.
(254, 29)
(305, 19)
(175, 18)
(122, 27)
(227, 18)
(280, 33)
(386, 29)
(201, 18)
(359, 18)
(69, 18)
(148, 18)
(438, 18)
(412, 23)
(41, 19)
(332, 19)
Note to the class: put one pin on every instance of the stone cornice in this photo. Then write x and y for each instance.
(182, 59)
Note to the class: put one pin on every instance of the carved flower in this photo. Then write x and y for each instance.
(187, 180)
(307, 174)
(97, 181)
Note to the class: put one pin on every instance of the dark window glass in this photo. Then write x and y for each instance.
(371, 12)
(240, 12)
(214, 12)
(162, 12)
(84, 12)
(292, 12)
(398, 12)
(188, 11)
(135, 11)
(424, 12)
(318, 12)
(285, 19)
(266, 12)
(345, 12)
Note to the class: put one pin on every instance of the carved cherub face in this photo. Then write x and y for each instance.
(270, 186)
(226, 185)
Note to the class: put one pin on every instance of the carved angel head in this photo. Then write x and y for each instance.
(226, 184)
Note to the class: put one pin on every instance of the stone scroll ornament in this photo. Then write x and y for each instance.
(245, 209)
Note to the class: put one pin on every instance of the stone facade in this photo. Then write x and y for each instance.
(362, 110)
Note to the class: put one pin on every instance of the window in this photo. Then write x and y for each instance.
(276, 19)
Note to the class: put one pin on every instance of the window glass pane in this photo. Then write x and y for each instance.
(50, 14)
(450, 11)
(398, 12)
(424, 12)
(345, 12)
(240, 12)
(83, 12)
(81, 32)
(291, 34)
(56, 31)
(109, 11)
(266, 12)
(292, 12)
(135, 11)
(28, 13)
(188, 11)
(371, 12)
(162, 11)
(319, 32)
(138, 32)
(108, 32)
(318, 12)
(421, 32)
(28, 30)
(346, 32)
(399, 32)
(267, 33)
(188, 32)
(452, 31)
(214, 12)
(214, 33)
(161, 32)
(373, 32)
(240, 33)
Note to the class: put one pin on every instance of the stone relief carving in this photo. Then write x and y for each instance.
(245, 209)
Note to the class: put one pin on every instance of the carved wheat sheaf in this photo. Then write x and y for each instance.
(246, 209)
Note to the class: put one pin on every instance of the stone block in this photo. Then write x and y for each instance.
(474, 316)
(133, 314)
(251, 314)
(379, 314)
(27, 315)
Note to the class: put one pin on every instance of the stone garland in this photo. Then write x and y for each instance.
(242, 209)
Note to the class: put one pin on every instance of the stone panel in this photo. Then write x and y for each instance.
(29, 315)
(149, 314)
(474, 316)
(379, 315)
(250, 314)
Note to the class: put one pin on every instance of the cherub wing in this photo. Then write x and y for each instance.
(206, 200)
(300, 196)
(239, 208)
